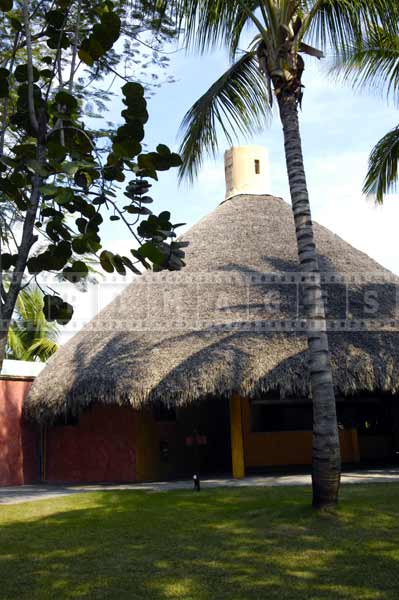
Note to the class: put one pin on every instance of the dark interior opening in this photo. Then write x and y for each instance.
(374, 417)
(203, 435)
(281, 417)
(163, 413)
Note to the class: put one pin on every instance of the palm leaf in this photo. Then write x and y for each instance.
(334, 22)
(31, 336)
(372, 62)
(15, 346)
(245, 15)
(42, 349)
(207, 23)
(382, 175)
(237, 102)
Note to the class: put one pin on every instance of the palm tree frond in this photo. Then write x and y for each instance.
(15, 346)
(31, 336)
(334, 22)
(382, 175)
(41, 349)
(372, 62)
(206, 23)
(310, 51)
(237, 102)
(242, 20)
(209, 23)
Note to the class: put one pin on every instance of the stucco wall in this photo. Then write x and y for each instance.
(101, 447)
(18, 439)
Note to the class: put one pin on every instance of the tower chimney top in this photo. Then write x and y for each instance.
(246, 171)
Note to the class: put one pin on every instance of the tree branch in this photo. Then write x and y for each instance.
(27, 241)
(31, 103)
(7, 99)
(121, 215)
(75, 44)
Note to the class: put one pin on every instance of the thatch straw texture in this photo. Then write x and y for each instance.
(220, 325)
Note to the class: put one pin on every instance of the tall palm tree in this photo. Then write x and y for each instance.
(272, 67)
(372, 61)
(30, 336)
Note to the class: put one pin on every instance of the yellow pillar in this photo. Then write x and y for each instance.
(236, 434)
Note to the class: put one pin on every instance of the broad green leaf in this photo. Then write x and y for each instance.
(163, 150)
(24, 150)
(86, 57)
(133, 129)
(65, 99)
(175, 160)
(64, 195)
(6, 5)
(152, 252)
(138, 210)
(80, 245)
(16, 24)
(56, 151)
(82, 179)
(118, 264)
(76, 272)
(35, 166)
(130, 265)
(4, 88)
(133, 90)
(21, 73)
(64, 313)
(46, 73)
(55, 18)
(48, 189)
(126, 148)
(7, 261)
(106, 261)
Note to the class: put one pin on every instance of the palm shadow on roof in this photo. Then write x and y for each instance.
(187, 363)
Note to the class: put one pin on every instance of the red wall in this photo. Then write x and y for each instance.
(18, 439)
(99, 448)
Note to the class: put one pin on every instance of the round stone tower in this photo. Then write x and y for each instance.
(247, 171)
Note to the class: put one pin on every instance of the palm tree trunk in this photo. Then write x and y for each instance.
(326, 459)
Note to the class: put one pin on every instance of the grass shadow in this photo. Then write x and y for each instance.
(224, 543)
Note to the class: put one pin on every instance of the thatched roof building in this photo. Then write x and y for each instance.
(229, 322)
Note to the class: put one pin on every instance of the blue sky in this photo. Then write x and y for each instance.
(339, 128)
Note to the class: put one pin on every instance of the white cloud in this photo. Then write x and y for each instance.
(211, 183)
(370, 228)
(338, 204)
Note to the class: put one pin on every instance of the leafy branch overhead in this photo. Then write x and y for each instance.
(61, 177)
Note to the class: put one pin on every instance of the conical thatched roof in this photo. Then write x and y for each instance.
(220, 325)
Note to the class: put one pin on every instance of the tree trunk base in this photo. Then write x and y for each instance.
(326, 489)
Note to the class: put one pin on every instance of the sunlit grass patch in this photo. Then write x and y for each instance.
(235, 544)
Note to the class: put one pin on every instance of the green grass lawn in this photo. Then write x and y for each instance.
(233, 544)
